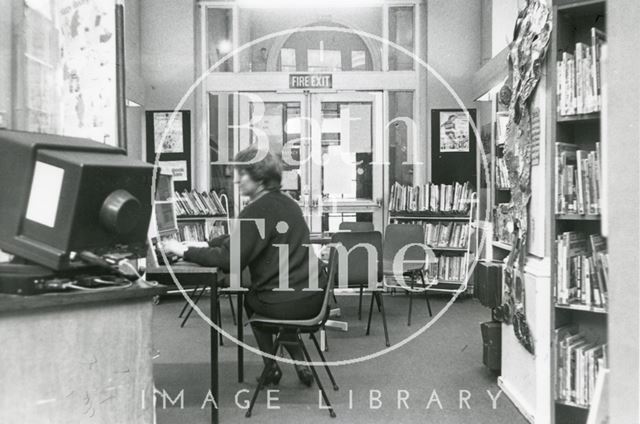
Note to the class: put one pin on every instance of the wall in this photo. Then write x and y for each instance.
(621, 156)
(454, 51)
(5, 62)
(134, 84)
(503, 16)
(168, 53)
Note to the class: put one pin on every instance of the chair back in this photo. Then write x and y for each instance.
(323, 315)
(357, 261)
(356, 226)
(397, 236)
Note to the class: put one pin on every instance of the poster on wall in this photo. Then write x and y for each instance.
(173, 151)
(454, 132)
(177, 168)
(88, 69)
(173, 140)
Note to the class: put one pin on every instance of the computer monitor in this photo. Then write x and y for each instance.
(62, 195)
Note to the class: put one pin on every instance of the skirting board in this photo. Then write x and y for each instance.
(516, 401)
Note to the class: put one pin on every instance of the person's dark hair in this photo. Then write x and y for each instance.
(267, 170)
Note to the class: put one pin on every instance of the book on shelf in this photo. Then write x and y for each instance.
(581, 269)
(434, 198)
(196, 203)
(578, 180)
(448, 268)
(446, 234)
(578, 362)
(502, 174)
(200, 230)
(578, 82)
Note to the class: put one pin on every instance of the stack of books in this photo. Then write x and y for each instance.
(579, 79)
(502, 174)
(582, 269)
(448, 268)
(578, 362)
(198, 204)
(446, 234)
(578, 180)
(435, 198)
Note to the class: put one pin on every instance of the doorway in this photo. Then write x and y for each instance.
(332, 147)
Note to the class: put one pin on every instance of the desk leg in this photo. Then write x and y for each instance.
(240, 338)
(214, 349)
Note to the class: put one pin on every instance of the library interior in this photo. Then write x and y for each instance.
(358, 211)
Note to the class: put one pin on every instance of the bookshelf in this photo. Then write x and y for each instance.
(498, 184)
(201, 216)
(579, 312)
(447, 214)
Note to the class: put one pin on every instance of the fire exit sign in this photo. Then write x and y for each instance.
(306, 81)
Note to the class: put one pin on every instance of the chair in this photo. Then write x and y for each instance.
(358, 272)
(356, 226)
(396, 237)
(306, 326)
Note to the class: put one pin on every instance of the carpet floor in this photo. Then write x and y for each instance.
(435, 377)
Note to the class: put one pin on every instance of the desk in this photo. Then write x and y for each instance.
(189, 273)
(77, 357)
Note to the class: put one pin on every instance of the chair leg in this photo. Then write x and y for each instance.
(426, 294)
(195, 302)
(276, 345)
(220, 323)
(410, 301)
(233, 310)
(326, 367)
(370, 313)
(315, 376)
(378, 296)
(360, 304)
(186, 303)
(323, 335)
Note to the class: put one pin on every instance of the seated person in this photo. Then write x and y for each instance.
(283, 224)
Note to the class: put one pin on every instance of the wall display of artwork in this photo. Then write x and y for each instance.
(170, 141)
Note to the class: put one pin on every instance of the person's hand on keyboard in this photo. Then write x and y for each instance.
(173, 247)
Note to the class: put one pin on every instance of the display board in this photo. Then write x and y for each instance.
(65, 75)
(172, 139)
(453, 146)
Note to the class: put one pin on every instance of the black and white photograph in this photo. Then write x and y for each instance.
(319, 211)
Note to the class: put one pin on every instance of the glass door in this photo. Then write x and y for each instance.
(346, 171)
(332, 148)
(279, 121)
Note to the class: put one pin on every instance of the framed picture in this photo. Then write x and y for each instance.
(171, 140)
(454, 131)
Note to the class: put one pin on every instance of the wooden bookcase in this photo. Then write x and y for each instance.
(573, 20)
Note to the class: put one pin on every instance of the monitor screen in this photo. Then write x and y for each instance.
(44, 196)
(165, 217)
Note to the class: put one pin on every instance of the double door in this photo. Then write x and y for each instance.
(332, 148)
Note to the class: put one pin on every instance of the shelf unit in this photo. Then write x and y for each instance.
(437, 284)
(496, 112)
(573, 20)
(206, 222)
